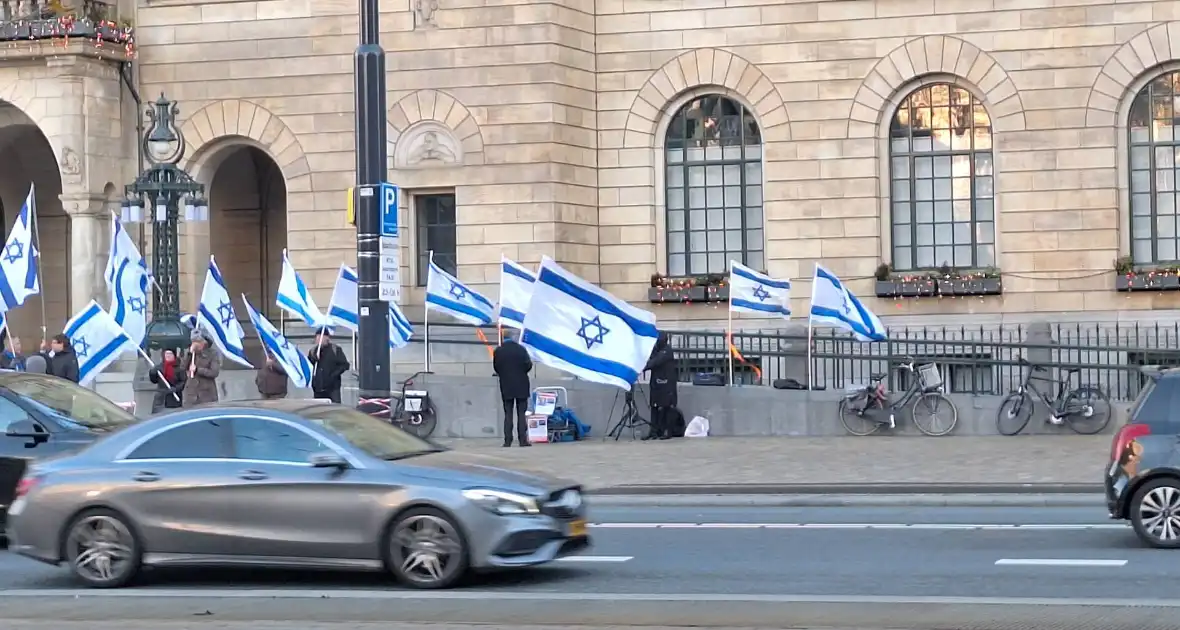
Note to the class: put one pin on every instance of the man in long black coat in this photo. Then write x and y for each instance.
(662, 365)
(512, 364)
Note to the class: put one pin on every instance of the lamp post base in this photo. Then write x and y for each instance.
(167, 334)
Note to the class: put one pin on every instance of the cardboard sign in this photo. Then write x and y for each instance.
(538, 428)
(545, 403)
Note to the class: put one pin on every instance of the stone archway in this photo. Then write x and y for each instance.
(1152, 47)
(28, 157)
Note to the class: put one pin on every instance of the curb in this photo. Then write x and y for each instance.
(1013, 500)
(848, 489)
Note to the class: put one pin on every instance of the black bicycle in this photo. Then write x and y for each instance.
(413, 411)
(866, 409)
(1085, 409)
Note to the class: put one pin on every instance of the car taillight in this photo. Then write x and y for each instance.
(1125, 436)
(26, 485)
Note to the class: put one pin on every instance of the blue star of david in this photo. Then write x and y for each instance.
(847, 306)
(14, 252)
(137, 304)
(226, 312)
(761, 293)
(81, 348)
(458, 291)
(286, 345)
(589, 338)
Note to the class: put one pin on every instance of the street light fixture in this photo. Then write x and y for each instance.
(163, 189)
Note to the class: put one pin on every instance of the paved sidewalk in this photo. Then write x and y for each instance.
(831, 460)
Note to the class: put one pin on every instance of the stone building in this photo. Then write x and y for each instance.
(627, 138)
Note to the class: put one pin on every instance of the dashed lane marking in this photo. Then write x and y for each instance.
(595, 559)
(883, 526)
(1059, 562)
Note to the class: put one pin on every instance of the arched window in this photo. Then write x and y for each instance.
(940, 149)
(714, 188)
(1155, 177)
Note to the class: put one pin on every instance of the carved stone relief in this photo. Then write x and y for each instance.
(424, 11)
(71, 165)
(427, 144)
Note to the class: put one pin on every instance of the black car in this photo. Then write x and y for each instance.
(1143, 479)
(42, 416)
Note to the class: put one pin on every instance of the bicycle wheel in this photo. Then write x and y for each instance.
(422, 423)
(939, 415)
(1087, 410)
(1014, 413)
(855, 423)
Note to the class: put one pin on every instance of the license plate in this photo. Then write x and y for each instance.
(577, 528)
(17, 507)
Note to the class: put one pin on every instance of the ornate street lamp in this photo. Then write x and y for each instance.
(156, 197)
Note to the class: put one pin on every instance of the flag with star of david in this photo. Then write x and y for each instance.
(217, 317)
(445, 294)
(19, 278)
(97, 341)
(576, 327)
(129, 280)
(834, 305)
(287, 354)
(754, 292)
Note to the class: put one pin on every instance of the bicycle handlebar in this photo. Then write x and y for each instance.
(410, 381)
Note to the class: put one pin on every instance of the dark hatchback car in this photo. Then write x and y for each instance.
(1143, 478)
(42, 416)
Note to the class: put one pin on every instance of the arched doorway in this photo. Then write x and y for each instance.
(248, 225)
(27, 158)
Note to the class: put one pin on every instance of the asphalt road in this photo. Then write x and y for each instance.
(888, 567)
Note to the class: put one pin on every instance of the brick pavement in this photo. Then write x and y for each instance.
(785, 460)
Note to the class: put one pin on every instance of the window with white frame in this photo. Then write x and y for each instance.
(1154, 145)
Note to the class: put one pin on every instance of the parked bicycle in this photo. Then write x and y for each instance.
(868, 408)
(413, 410)
(1085, 409)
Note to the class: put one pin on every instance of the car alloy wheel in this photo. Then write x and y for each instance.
(1155, 513)
(101, 549)
(426, 550)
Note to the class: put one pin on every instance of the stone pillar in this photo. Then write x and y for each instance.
(87, 252)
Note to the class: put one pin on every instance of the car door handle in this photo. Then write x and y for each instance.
(146, 476)
(252, 475)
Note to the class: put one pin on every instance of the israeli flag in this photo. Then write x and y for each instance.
(98, 341)
(18, 261)
(576, 327)
(216, 315)
(516, 289)
(129, 299)
(445, 294)
(122, 247)
(293, 362)
(342, 308)
(294, 298)
(833, 304)
(754, 292)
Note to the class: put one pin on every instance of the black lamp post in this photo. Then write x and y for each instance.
(373, 337)
(157, 196)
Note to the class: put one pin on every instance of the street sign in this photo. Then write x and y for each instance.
(388, 202)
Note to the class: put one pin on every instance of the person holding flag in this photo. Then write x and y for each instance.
(283, 360)
(201, 367)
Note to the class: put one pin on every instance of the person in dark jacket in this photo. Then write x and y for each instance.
(662, 365)
(328, 365)
(512, 365)
(60, 358)
(169, 380)
(13, 358)
(201, 367)
(271, 379)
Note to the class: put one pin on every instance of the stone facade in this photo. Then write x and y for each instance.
(548, 120)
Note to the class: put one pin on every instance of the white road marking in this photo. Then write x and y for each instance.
(595, 558)
(891, 526)
(1058, 562)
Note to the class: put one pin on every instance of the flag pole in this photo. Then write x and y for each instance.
(814, 277)
(729, 346)
(37, 244)
(426, 317)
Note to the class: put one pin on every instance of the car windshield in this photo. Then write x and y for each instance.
(375, 437)
(71, 403)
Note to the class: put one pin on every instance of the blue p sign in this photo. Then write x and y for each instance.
(388, 210)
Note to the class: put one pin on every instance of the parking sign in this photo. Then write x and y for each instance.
(388, 210)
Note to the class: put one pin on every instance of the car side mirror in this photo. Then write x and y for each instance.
(28, 429)
(328, 459)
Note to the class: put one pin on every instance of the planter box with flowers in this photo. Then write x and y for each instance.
(710, 288)
(1129, 278)
(945, 282)
(55, 21)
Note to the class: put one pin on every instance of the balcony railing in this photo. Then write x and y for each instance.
(63, 19)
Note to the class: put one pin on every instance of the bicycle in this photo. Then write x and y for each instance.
(1064, 408)
(870, 408)
(414, 412)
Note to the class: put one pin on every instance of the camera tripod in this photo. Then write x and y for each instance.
(630, 419)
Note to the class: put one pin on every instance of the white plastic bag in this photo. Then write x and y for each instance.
(699, 427)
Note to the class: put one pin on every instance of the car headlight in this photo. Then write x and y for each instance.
(501, 502)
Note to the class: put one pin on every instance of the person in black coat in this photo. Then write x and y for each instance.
(329, 365)
(662, 365)
(60, 358)
(512, 364)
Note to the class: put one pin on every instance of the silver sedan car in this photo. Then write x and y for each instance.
(288, 484)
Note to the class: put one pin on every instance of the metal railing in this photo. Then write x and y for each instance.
(982, 360)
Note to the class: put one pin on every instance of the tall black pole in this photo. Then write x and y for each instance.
(373, 338)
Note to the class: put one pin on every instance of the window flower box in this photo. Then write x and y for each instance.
(712, 288)
(942, 283)
(1147, 281)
